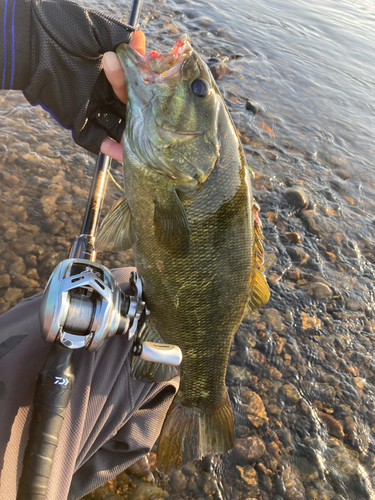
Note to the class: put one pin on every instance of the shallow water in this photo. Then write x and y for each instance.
(302, 370)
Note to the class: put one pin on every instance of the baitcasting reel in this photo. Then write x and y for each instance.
(83, 305)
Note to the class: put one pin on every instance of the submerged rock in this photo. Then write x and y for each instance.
(296, 197)
(249, 449)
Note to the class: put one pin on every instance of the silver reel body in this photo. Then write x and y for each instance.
(83, 305)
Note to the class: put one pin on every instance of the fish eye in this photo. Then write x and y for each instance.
(200, 88)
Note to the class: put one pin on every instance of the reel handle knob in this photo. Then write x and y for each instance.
(166, 354)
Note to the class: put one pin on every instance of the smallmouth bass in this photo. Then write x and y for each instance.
(189, 214)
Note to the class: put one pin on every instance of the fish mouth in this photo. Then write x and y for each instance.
(156, 67)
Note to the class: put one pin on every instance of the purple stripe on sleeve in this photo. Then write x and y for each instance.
(5, 42)
(13, 45)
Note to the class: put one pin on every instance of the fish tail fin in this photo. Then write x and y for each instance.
(190, 433)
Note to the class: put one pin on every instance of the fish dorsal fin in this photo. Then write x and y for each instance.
(171, 225)
(147, 370)
(260, 292)
(117, 232)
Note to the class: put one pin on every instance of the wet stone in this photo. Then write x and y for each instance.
(249, 449)
(4, 280)
(254, 107)
(237, 375)
(13, 294)
(294, 488)
(292, 393)
(18, 266)
(354, 305)
(53, 226)
(253, 407)
(320, 291)
(48, 204)
(249, 476)
(177, 481)
(20, 281)
(310, 323)
(273, 317)
(335, 428)
(296, 197)
(297, 254)
(317, 225)
(295, 238)
(218, 68)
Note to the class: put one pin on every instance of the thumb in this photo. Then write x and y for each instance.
(114, 70)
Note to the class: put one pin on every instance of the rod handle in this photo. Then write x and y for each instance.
(54, 386)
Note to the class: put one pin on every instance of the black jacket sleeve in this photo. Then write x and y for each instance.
(52, 50)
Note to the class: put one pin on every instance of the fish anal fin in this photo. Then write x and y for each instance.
(190, 433)
(171, 225)
(117, 231)
(259, 290)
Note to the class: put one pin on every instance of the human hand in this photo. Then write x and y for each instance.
(64, 73)
(115, 75)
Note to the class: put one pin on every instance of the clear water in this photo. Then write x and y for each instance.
(308, 68)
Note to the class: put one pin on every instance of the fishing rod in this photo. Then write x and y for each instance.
(81, 307)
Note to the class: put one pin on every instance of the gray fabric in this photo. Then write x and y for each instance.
(111, 421)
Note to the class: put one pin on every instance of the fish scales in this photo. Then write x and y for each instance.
(191, 225)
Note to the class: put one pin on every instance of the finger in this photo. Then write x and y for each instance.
(114, 70)
(138, 42)
(115, 75)
(112, 148)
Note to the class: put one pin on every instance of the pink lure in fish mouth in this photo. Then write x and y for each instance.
(160, 68)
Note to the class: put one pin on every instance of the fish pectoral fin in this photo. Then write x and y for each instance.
(148, 371)
(117, 231)
(171, 225)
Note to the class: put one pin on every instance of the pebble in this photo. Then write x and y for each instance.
(297, 254)
(273, 317)
(317, 225)
(335, 427)
(218, 68)
(18, 266)
(319, 291)
(310, 323)
(293, 485)
(178, 481)
(253, 407)
(236, 375)
(13, 295)
(294, 238)
(4, 280)
(296, 197)
(255, 107)
(249, 476)
(291, 393)
(249, 449)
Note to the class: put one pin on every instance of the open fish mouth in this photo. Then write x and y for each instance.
(161, 68)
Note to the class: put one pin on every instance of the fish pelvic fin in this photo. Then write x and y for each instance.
(148, 371)
(117, 231)
(260, 292)
(191, 433)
